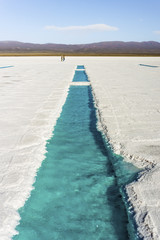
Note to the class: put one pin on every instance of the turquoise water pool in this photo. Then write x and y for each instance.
(80, 76)
(77, 192)
(80, 67)
(6, 67)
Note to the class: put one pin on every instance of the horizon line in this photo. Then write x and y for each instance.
(9, 41)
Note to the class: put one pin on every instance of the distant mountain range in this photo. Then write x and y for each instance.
(101, 48)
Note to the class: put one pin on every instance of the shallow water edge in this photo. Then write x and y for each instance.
(134, 175)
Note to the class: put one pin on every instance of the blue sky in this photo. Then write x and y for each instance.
(83, 21)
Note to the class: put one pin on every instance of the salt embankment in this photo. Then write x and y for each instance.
(32, 94)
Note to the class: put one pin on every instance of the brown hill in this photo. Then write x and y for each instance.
(101, 48)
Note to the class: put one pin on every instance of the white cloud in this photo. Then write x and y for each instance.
(95, 27)
(157, 32)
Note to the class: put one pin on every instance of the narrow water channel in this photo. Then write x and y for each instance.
(76, 195)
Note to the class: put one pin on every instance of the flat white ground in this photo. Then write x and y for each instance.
(31, 97)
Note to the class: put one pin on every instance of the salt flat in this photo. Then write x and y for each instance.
(32, 95)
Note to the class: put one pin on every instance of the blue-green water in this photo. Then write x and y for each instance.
(80, 76)
(6, 67)
(80, 67)
(77, 189)
(144, 65)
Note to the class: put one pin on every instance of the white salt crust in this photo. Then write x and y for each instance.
(32, 95)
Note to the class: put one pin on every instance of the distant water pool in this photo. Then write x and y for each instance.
(76, 195)
(152, 66)
(80, 67)
(80, 76)
(6, 67)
